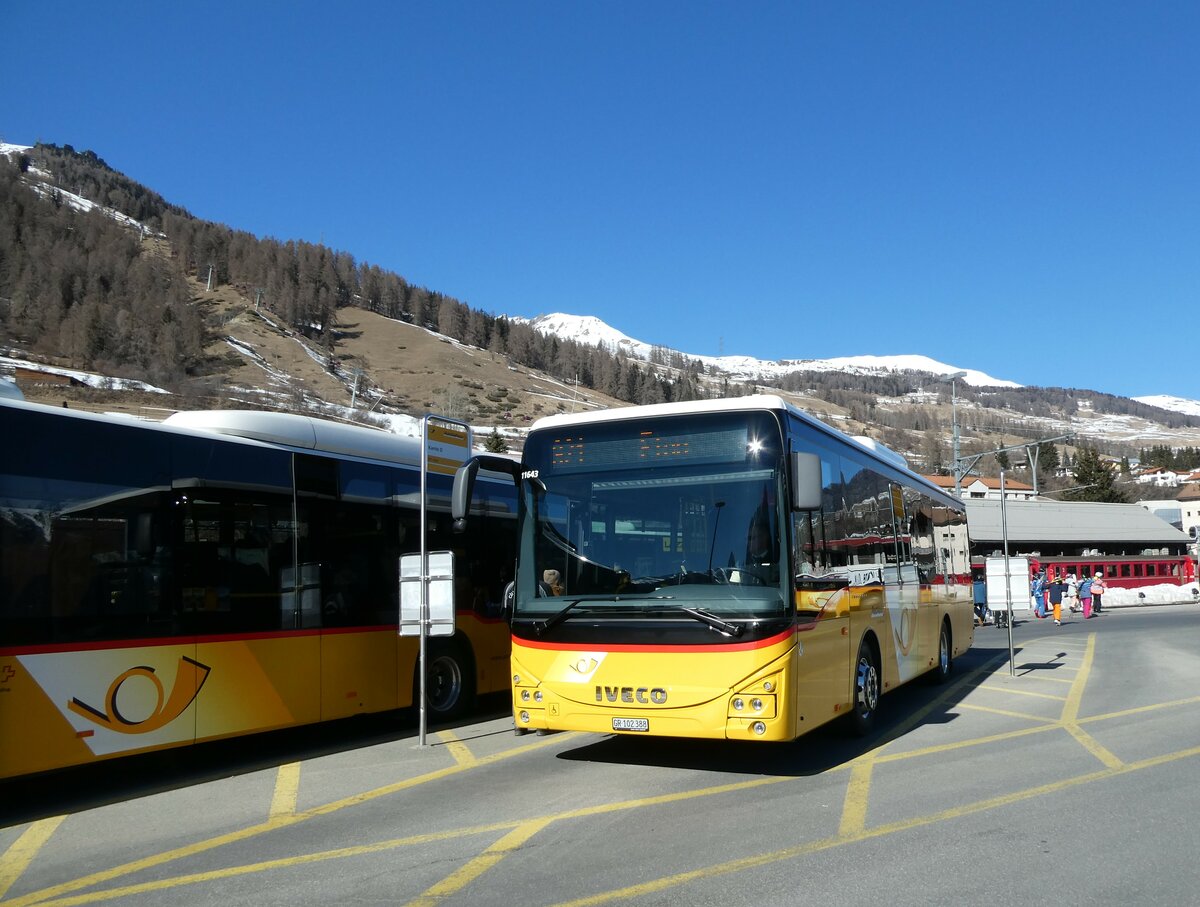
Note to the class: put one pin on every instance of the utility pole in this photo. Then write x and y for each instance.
(952, 378)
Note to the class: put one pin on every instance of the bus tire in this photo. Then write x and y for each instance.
(866, 690)
(449, 680)
(945, 657)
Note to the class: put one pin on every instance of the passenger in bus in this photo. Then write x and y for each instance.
(762, 562)
(552, 583)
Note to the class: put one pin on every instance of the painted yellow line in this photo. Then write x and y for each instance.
(1042, 679)
(22, 851)
(858, 794)
(992, 689)
(1070, 715)
(707, 872)
(48, 898)
(966, 706)
(462, 755)
(287, 788)
(243, 834)
(963, 744)
(234, 871)
(457, 881)
(1141, 709)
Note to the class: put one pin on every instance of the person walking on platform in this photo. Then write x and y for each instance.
(1056, 590)
(1098, 590)
(1072, 596)
(1037, 590)
(979, 591)
(1085, 596)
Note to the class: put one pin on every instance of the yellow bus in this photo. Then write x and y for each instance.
(219, 574)
(723, 569)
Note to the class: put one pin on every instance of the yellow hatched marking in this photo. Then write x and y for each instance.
(22, 851)
(287, 788)
(459, 880)
(708, 872)
(459, 750)
(1070, 716)
(998, 689)
(279, 822)
(1174, 703)
(983, 708)
(1041, 679)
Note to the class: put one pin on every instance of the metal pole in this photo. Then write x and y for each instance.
(954, 425)
(424, 578)
(1012, 669)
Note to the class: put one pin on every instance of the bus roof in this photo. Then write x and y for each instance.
(760, 402)
(302, 432)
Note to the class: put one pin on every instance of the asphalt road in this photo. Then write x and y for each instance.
(1068, 780)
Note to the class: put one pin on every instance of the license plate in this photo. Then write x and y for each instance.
(631, 724)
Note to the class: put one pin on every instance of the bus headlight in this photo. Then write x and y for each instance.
(524, 695)
(756, 704)
(537, 697)
(738, 704)
(759, 728)
(524, 716)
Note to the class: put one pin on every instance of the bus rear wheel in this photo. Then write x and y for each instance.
(866, 690)
(941, 670)
(449, 681)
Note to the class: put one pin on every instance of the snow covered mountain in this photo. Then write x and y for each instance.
(591, 331)
(1174, 404)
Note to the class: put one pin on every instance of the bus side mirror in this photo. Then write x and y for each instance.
(464, 484)
(806, 481)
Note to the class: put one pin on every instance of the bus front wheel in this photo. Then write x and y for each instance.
(866, 690)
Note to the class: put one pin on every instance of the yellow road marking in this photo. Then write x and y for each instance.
(998, 689)
(462, 755)
(459, 880)
(1191, 700)
(1041, 679)
(287, 788)
(242, 834)
(1070, 715)
(22, 851)
(1007, 712)
(673, 881)
(858, 793)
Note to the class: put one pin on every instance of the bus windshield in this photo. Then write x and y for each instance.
(655, 515)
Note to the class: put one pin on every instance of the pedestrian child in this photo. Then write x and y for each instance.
(1085, 596)
(1037, 590)
(1057, 589)
(1072, 596)
(1098, 590)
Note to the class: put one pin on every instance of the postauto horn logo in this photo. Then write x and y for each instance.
(188, 680)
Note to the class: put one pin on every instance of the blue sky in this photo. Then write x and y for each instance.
(1009, 187)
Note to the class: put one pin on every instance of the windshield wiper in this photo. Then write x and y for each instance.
(556, 618)
(724, 626)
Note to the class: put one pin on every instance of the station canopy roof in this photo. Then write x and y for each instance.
(1069, 521)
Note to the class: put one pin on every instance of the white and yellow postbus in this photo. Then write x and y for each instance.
(728, 569)
(222, 574)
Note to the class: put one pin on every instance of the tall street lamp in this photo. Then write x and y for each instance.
(952, 378)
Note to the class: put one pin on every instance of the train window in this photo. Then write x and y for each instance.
(1125, 570)
(1151, 569)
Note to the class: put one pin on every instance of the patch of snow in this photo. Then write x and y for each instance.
(591, 331)
(89, 378)
(1173, 404)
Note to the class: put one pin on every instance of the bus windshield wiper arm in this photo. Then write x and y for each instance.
(556, 618)
(730, 629)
